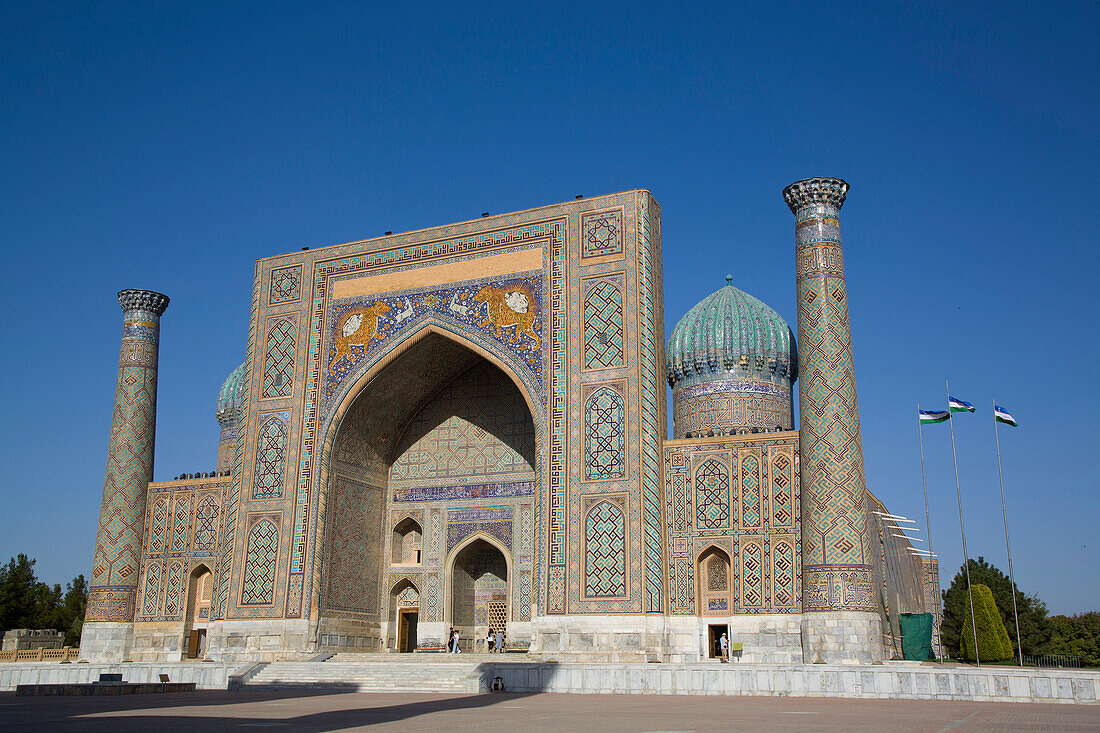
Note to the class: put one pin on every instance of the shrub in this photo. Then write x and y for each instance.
(993, 643)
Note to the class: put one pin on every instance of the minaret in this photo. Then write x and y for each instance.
(840, 620)
(108, 627)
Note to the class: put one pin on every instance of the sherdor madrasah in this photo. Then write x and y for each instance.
(465, 427)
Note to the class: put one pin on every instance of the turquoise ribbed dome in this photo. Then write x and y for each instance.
(730, 333)
(232, 397)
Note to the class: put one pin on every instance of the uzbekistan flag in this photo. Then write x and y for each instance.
(958, 405)
(1003, 416)
(927, 417)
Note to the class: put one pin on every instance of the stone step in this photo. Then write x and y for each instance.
(368, 677)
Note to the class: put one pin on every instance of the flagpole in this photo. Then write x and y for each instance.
(962, 528)
(924, 488)
(923, 484)
(1008, 548)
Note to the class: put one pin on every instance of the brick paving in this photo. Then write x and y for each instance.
(515, 713)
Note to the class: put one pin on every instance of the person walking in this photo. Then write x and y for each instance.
(724, 647)
(499, 641)
(454, 639)
(489, 640)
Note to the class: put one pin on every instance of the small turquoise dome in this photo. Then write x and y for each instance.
(231, 398)
(731, 362)
(731, 332)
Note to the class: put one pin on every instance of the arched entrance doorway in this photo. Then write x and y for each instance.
(478, 585)
(434, 444)
(200, 587)
(713, 573)
(405, 603)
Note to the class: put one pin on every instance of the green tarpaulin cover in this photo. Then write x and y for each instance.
(916, 636)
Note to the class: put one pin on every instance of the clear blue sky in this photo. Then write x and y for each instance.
(168, 145)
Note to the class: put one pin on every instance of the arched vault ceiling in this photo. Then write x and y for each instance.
(386, 404)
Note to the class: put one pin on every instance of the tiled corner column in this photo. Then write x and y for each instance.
(840, 619)
(112, 593)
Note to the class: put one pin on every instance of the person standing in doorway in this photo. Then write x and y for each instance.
(724, 647)
(499, 641)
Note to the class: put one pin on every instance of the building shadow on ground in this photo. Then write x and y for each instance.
(133, 713)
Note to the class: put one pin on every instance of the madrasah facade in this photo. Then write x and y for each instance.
(465, 427)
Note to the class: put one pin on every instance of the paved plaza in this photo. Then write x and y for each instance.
(519, 712)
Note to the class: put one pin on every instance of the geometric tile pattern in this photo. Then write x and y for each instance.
(604, 435)
(181, 528)
(720, 406)
(270, 458)
(151, 595)
(353, 560)
(478, 426)
(602, 233)
(712, 495)
(714, 583)
(752, 575)
(285, 285)
(605, 551)
(762, 537)
(717, 573)
(115, 569)
(206, 526)
(158, 529)
(524, 597)
(603, 326)
(835, 550)
(651, 395)
(262, 551)
(180, 523)
(750, 491)
(282, 337)
(783, 570)
(173, 590)
(408, 598)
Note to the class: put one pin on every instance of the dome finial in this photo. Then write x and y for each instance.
(729, 279)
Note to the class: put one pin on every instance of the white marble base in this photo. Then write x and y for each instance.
(106, 641)
(592, 638)
(344, 635)
(890, 680)
(261, 640)
(205, 675)
(842, 637)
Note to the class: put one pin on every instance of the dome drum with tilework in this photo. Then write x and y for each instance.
(231, 398)
(731, 363)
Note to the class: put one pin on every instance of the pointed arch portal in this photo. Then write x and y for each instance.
(428, 430)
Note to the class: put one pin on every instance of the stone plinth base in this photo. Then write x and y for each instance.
(890, 680)
(600, 638)
(347, 635)
(106, 641)
(841, 637)
(99, 688)
(260, 640)
(158, 642)
(204, 675)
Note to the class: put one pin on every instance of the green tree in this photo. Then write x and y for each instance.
(1078, 636)
(20, 595)
(27, 603)
(1035, 627)
(71, 612)
(993, 643)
